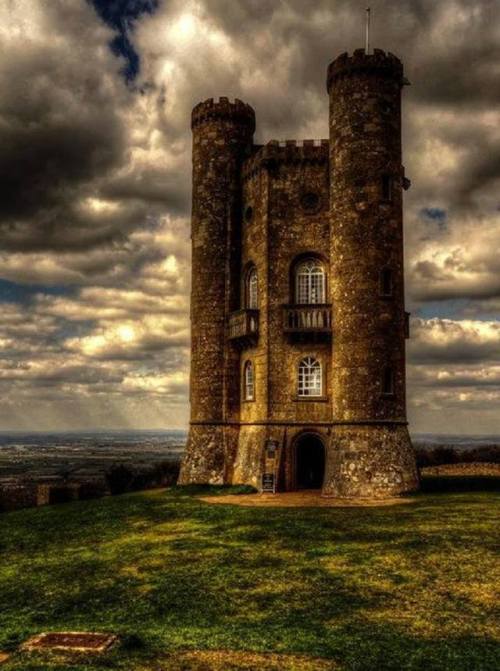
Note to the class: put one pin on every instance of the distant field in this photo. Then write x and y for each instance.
(193, 586)
(78, 456)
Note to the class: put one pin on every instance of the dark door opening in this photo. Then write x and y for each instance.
(310, 462)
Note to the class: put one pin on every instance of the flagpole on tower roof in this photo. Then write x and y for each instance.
(367, 45)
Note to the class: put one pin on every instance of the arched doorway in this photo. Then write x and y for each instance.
(310, 462)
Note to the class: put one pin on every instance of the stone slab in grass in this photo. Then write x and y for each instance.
(71, 641)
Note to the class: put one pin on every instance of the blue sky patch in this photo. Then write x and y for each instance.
(435, 215)
(121, 15)
(13, 292)
(452, 308)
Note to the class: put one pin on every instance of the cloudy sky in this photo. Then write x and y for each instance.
(95, 101)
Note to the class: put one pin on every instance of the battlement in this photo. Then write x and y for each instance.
(223, 108)
(379, 63)
(287, 151)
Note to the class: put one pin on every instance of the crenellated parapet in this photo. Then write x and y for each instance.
(288, 151)
(223, 109)
(379, 63)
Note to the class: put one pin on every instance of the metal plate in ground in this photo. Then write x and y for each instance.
(71, 641)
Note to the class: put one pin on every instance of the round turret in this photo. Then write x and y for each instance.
(223, 109)
(222, 138)
(366, 252)
(380, 63)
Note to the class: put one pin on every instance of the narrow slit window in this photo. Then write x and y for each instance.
(388, 381)
(310, 381)
(249, 382)
(252, 290)
(386, 282)
(387, 184)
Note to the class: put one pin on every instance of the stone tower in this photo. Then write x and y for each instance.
(297, 307)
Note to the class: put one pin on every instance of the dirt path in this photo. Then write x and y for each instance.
(301, 499)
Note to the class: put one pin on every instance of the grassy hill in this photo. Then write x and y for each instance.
(391, 588)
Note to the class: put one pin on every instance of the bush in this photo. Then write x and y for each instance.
(122, 478)
(440, 455)
(119, 478)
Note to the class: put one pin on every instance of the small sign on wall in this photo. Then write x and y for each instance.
(271, 449)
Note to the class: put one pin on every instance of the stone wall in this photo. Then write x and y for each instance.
(370, 462)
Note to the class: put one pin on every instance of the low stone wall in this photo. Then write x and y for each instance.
(117, 479)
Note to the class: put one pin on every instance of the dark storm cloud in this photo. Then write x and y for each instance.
(461, 352)
(60, 129)
(464, 381)
(171, 190)
(96, 175)
(444, 341)
(81, 375)
(64, 136)
(451, 47)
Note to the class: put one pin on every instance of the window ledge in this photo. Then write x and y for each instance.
(309, 399)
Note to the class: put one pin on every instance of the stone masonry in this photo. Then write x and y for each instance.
(261, 214)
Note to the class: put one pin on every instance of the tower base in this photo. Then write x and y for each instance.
(210, 453)
(370, 462)
(352, 461)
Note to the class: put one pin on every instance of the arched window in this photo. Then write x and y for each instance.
(388, 381)
(252, 290)
(310, 282)
(310, 377)
(249, 382)
(386, 282)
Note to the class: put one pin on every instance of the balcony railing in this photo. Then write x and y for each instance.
(243, 324)
(307, 318)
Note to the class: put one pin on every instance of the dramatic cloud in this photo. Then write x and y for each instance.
(95, 102)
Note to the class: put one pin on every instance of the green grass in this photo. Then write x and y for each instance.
(389, 588)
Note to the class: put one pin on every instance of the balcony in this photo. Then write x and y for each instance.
(244, 325)
(307, 318)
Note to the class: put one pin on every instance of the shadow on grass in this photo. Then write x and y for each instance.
(211, 490)
(168, 572)
(463, 483)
